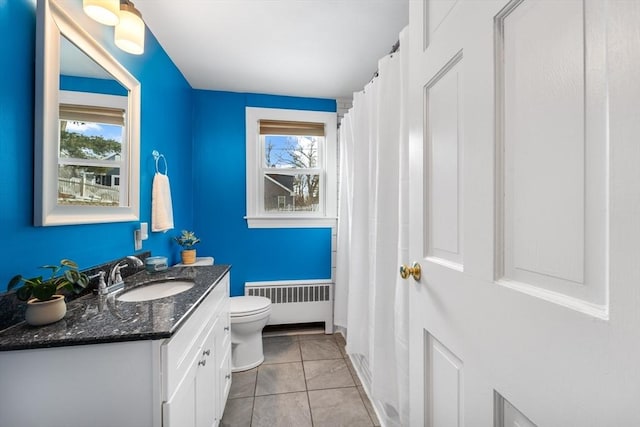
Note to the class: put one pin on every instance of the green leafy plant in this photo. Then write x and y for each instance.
(187, 239)
(69, 278)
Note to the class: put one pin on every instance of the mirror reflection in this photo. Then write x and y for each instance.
(87, 126)
(93, 138)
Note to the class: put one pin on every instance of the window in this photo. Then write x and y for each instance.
(92, 149)
(291, 168)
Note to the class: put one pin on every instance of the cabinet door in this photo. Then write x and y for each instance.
(225, 381)
(194, 402)
(180, 409)
(223, 356)
(206, 383)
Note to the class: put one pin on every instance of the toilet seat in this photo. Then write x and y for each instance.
(249, 306)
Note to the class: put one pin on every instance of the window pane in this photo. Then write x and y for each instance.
(281, 151)
(89, 140)
(291, 192)
(88, 185)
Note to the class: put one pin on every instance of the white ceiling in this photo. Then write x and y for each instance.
(313, 48)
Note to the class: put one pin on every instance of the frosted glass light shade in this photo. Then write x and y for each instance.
(129, 33)
(104, 11)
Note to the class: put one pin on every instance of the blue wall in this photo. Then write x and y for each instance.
(166, 127)
(88, 84)
(219, 168)
(202, 135)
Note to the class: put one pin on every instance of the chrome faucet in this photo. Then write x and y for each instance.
(102, 286)
(115, 282)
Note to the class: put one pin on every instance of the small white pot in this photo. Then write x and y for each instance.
(45, 312)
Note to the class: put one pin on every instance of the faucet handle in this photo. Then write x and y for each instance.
(102, 286)
(117, 276)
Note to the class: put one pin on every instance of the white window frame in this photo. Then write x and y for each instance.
(256, 216)
(122, 163)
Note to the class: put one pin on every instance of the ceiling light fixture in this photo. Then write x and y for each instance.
(106, 12)
(129, 33)
(129, 26)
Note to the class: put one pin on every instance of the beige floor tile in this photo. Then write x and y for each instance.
(285, 410)
(237, 413)
(320, 336)
(243, 384)
(322, 374)
(281, 350)
(280, 378)
(320, 349)
(338, 407)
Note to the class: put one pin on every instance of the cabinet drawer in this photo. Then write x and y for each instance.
(178, 352)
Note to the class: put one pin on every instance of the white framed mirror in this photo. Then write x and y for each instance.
(87, 127)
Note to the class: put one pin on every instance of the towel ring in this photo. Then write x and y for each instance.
(157, 156)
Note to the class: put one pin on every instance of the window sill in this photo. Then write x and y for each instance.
(290, 222)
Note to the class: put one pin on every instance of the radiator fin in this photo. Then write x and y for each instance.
(292, 294)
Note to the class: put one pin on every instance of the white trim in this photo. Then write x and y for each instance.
(255, 217)
(271, 283)
(290, 222)
(110, 101)
(53, 22)
(579, 305)
(446, 263)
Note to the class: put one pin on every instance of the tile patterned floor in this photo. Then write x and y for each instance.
(305, 380)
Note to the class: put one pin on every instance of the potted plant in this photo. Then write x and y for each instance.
(187, 240)
(45, 303)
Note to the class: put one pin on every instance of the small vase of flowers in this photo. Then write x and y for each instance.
(187, 240)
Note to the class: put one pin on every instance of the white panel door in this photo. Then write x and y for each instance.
(525, 212)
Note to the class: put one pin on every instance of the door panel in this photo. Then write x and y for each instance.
(531, 138)
(435, 13)
(507, 415)
(445, 385)
(444, 206)
(552, 152)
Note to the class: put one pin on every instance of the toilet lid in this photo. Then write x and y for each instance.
(248, 305)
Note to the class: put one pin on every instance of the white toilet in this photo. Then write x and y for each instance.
(249, 315)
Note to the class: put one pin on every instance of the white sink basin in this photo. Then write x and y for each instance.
(155, 290)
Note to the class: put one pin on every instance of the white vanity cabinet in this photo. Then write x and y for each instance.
(181, 381)
(196, 365)
(223, 362)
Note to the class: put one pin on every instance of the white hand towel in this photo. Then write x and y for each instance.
(161, 206)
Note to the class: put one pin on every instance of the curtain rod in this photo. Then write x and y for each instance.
(394, 49)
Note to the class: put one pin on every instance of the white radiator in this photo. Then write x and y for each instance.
(297, 301)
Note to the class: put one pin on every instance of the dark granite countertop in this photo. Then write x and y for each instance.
(94, 319)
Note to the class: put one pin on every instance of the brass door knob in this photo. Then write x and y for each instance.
(415, 270)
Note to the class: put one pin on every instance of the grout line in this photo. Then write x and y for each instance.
(310, 410)
(281, 363)
(334, 388)
(306, 386)
(304, 373)
(282, 394)
(255, 387)
(253, 408)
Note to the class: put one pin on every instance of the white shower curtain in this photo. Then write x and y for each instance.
(370, 300)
